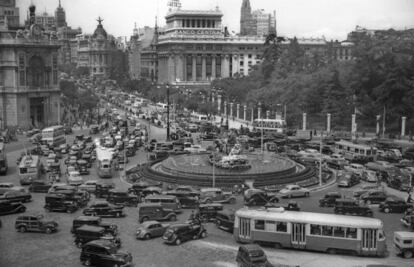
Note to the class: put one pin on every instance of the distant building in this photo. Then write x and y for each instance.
(29, 91)
(149, 56)
(247, 22)
(134, 55)
(94, 51)
(9, 11)
(256, 23)
(60, 17)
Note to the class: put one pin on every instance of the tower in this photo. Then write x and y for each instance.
(60, 17)
(247, 25)
(174, 5)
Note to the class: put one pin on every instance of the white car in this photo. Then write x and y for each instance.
(75, 178)
(6, 185)
(195, 149)
(293, 190)
(370, 176)
(355, 168)
(89, 186)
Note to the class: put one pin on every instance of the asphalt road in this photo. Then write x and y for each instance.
(218, 249)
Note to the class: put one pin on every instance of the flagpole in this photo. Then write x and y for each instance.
(383, 123)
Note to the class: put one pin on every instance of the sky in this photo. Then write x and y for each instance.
(332, 19)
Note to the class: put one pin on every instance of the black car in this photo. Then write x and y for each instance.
(187, 200)
(122, 197)
(208, 212)
(373, 197)
(40, 186)
(291, 205)
(409, 153)
(394, 205)
(103, 208)
(102, 189)
(8, 207)
(225, 220)
(104, 253)
(258, 197)
(16, 196)
(59, 202)
(178, 233)
(351, 207)
(329, 199)
(96, 221)
(87, 233)
(252, 255)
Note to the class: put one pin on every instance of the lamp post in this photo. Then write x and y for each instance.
(168, 112)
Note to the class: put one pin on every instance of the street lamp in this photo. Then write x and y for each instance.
(168, 112)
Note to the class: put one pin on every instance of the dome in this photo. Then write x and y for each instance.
(100, 31)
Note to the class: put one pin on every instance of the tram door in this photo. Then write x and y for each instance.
(369, 239)
(244, 228)
(298, 235)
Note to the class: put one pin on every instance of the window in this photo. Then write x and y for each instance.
(339, 232)
(327, 230)
(22, 70)
(250, 56)
(315, 229)
(241, 63)
(351, 233)
(259, 224)
(281, 227)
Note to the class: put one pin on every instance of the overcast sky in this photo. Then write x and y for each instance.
(302, 18)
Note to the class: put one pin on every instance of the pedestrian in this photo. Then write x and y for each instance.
(409, 199)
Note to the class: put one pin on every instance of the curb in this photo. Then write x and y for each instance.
(319, 188)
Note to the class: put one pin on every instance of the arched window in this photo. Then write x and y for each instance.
(36, 72)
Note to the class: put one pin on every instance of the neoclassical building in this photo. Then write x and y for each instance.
(30, 95)
(192, 48)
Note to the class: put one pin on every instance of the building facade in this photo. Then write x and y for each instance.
(95, 50)
(193, 49)
(134, 55)
(10, 12)
(30, 95)
(247, 22)
(256, 23)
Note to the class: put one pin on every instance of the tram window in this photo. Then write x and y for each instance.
(315, 229)
(327, 230)
(281, 227)
(339, 232)
(351, 233)
(406, 241)
(270, 226)
(340, 146)
(259, 225)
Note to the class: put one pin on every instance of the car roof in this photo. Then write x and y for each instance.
(404, 234)
(87, 218)
(147, 223)
(91, 228)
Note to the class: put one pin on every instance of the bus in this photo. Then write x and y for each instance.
(105, 162)
(161, 105)
(352, 150)
(311, 231)
(30, 168)
(277, 125)
(3, 160)
(198, 117)
(54, 136)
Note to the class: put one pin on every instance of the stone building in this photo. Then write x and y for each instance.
(265, 22)
(30, 95)
(95, 50)
(149, 56)
(9, 11)
(247, 22)
(134, 55)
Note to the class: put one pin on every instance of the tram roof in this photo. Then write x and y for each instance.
(104, 153)
(310, 217)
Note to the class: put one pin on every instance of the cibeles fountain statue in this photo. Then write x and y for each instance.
(234, 161)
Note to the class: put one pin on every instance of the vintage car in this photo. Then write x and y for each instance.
(394, 205)
(8, 207)
(348, 179)
(291, 205)
(373, 197)
(88, 186)
(404, 244)
(96, 221)
(16, 196)
(258, 197)
(360, 190)
(103, 208)
(184, 189)
(151, 229)
(94, 129)
(329, 199)
(104, 253)
(102, 189)
(251, 255)
(59, 202)
(216, 195)
(293, 190)
(155, 212)
(87, 233)
(186, 199)
(82, 167)
(75, 178)
(116, 196)
(178, 233)
(351, 207)
(225, 220)
(208, 212)
(35, 223)
(408, 219)
(40, 186)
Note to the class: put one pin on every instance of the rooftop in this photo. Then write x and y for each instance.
(181, 12)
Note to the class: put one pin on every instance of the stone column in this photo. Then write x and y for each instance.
(238, 110)
(403, 121)
(244, 112)
(377, 131)
(259, 112)
(213, 67)
(225, 108)
(353, 127)
(252, 118)
(171, 69)
(328, 122)
(231, 109)
(203, 68)
(179, 71)
(304, 121)
(267, 114)
(194, 72)
(219, 104)
(225, 66)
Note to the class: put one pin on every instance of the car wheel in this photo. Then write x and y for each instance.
(387, 210)
(203, 234)
(48, 230)
(177, 241)
(173, 218)
(408, 254)
(147, 236)
(87, 262)
(22, 229)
